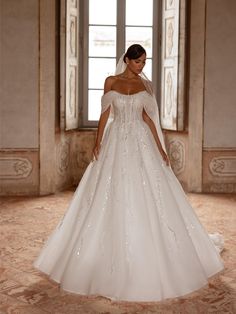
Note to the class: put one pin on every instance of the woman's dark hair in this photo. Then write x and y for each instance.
(134, 52)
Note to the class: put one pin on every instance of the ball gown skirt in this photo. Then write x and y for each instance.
(129, 232)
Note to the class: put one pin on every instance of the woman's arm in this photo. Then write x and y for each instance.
(102, 120)
(152, 127)
(101, 126)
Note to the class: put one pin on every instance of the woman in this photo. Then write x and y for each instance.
(130, 232)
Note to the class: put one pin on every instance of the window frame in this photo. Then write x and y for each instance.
(84, 123)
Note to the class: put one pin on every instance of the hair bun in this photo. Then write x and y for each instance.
(134, 52)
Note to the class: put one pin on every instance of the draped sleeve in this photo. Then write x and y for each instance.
(151, 108)
(106, 102)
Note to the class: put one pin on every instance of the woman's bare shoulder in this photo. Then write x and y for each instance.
(112, 78)
(109, 81)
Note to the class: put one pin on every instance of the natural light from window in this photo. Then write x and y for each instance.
(103, 31)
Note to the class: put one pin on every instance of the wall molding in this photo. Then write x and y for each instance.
(223, 166)
(222, 188)
(177, 155)
(218, 149)
(12, 168)
(63, 157)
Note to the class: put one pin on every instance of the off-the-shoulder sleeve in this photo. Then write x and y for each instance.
(151, 108)
(106, 101)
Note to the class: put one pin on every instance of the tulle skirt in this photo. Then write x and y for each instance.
(130, 232)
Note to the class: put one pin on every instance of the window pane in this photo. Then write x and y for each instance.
(102, 41)
(148, 69)
(140, 35)
(102, 46)
(94, 104)
(98, 12)
(139, 12)
(99, 69)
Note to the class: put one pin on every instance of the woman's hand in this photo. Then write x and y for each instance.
(96, 150)
(165, 157)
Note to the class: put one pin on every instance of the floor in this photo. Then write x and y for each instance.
(26, 222)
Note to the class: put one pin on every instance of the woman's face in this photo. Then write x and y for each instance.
(136, 65)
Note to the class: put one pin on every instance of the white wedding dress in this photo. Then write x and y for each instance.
(129, 232)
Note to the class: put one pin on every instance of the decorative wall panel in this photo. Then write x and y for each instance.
(169, 4)
(63, 157)
(74, 3)
(12, 168)
(72, 97)
(73, 37)
(169, 31)
(223, 188)
(69, 103)
(173, 58)
(219, 171)
(169, 110)
(223, 166)
(176, 154)
(19, 172)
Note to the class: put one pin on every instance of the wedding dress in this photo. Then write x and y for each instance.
(129, 232)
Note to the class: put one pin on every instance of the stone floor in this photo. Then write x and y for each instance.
(25, 224)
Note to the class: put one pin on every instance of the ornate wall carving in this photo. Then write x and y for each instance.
(169, 4)
(173, 65)
(177, 156)
(169, 27)
(73, 37)
(69, 103)
(223, 166)
(12, 168)
(219, 171)
(72, 92)
(74, 3)
(169, 95)
(63, 157)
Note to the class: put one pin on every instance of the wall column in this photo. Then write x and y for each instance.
(47, 96)
(196, 94)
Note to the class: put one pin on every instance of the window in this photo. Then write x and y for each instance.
(94, 34)
(106, 35)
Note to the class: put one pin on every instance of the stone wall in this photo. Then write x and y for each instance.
(36, 156)
(19, 116)
(208, 147)
(219, 142)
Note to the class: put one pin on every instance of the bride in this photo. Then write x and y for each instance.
(130, 232)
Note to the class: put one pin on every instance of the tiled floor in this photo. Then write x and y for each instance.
(25, 224)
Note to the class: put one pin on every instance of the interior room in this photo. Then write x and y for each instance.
(54, 58)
